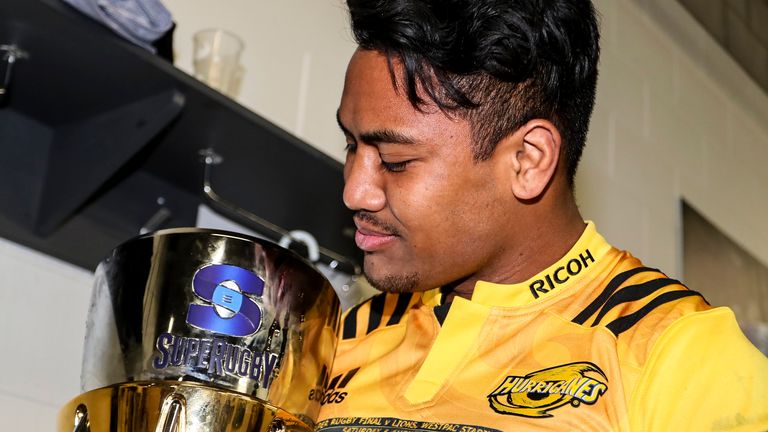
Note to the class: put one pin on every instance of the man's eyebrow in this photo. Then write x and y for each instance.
(380, 136)
(341, 125)
(385, 136)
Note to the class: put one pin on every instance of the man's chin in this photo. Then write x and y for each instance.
(395, 283)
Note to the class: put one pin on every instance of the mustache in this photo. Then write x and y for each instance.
(370, 219)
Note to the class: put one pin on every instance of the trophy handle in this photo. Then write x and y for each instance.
(81, 419)
(173, 415)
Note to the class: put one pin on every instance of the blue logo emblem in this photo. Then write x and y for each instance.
(227, 288)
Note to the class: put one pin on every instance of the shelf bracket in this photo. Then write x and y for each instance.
(87, 153)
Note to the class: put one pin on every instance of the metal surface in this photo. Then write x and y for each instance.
(274, 232)
(209, 311)
(8, 55)
(176, 407)
(81, 419)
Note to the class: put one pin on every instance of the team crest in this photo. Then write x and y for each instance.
(537, 393)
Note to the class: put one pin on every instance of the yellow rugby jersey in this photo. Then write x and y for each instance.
(595, 342)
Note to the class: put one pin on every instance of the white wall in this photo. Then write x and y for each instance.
(675, 118)
(43, 305)
(295, 55)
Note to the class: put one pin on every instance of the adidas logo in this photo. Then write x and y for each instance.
(331, 392)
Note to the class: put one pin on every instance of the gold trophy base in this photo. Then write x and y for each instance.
(172, 406)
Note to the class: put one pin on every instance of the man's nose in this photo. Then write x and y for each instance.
(363, 182)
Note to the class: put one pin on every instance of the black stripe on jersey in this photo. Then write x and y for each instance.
(612, 286)
(403, 300)
(322, 380)
(441, 312)
(333, 382)
(377, 310)
(348, 377)
(622, 324)
(632, 293)
(350, 323)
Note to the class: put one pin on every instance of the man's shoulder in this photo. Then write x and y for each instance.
(702, 363)
(381, 311)
(636, 303)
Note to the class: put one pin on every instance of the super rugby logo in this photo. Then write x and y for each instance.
(231, 311)
(537, 393)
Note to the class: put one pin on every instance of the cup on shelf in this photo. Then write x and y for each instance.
(216, 59)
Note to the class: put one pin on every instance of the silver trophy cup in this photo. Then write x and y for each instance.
(201, 330)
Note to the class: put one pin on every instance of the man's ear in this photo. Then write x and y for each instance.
(535, 161)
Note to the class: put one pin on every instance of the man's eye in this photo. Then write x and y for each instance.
(350, 147)
(395, 166)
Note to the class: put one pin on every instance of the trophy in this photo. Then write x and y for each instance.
(201, 330)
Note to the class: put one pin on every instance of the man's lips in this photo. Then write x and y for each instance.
(370, 240)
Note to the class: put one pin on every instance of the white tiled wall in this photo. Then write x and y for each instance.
(295, 55)
(43, 304)
(675, 118)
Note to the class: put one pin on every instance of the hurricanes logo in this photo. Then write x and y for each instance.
(537, 393)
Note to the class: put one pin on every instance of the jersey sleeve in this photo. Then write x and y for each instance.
(702, 374)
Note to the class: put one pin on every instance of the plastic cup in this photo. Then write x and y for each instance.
(217, 58)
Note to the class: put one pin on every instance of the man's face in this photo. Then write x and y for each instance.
(427, 214)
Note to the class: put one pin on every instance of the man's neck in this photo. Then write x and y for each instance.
(546, 237)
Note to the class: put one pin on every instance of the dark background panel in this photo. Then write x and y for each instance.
(95, 131)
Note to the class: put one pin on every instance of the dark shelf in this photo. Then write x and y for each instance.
(93, 130)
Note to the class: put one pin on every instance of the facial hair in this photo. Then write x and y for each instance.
(395, 283)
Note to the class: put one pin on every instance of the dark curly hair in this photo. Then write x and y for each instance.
(496, 63)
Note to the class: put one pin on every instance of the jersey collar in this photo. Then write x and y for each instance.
(587, 253)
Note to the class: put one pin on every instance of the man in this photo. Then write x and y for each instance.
(501, 308)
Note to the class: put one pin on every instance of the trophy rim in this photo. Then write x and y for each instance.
(102, 406)
(216, 232)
